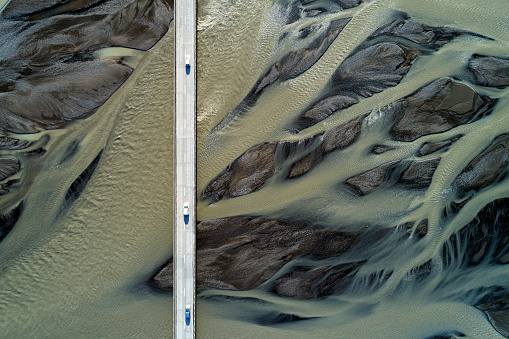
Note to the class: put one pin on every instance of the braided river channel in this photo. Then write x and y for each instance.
(352, 169)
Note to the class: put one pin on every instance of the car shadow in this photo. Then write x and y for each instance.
(186, 219)
(188, 70)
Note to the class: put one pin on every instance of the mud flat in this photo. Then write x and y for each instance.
(352, 169)
(87, 189)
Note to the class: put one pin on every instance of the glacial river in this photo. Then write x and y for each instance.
(82, 271)
(387, 297)
(419, 212)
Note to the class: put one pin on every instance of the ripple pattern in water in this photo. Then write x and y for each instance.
(353, 169)
(85, 166)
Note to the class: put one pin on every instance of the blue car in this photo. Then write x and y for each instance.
(188, 315)
(186, 213)
(188, 64)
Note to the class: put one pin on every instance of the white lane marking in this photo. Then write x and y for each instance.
(184, 292)
(184, 259)
(185, 20)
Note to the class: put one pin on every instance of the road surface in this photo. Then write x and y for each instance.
(184, 234)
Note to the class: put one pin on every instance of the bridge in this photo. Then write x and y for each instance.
(184, 170)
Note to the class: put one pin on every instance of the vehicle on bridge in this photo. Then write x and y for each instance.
(188, 314)
(186, 212)
(188, 64)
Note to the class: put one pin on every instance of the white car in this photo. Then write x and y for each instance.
(186, 209)
(188, 61)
